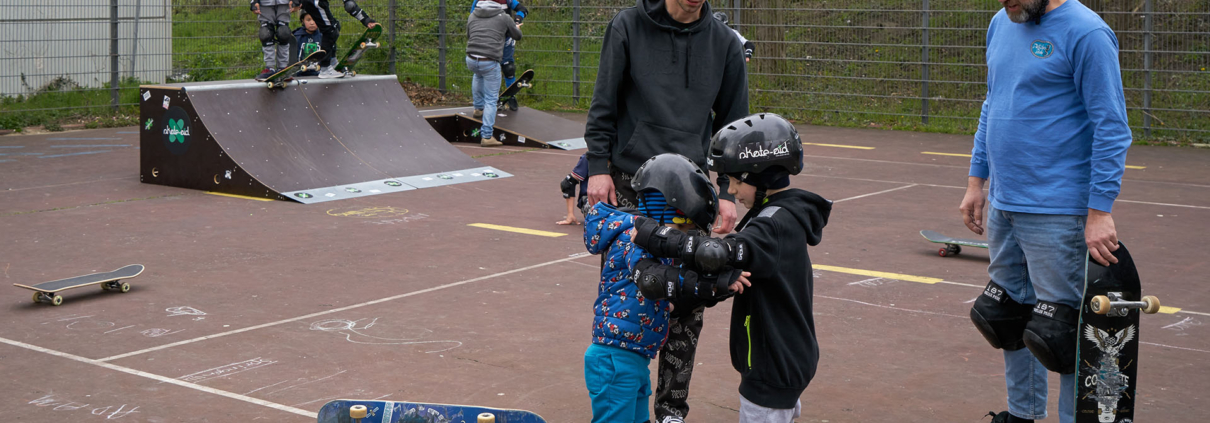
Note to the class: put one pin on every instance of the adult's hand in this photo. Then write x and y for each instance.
(972, 205)
(600, 188)
(725, 223)
(371, 25)
(1101, 237)
(256, 8)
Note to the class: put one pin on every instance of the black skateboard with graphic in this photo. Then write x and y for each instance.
(1108, 352)
(48, 292)
(524, 81)
(953, 246)
(284, 76)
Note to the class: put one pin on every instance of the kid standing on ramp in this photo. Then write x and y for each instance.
(277, 43)
(631, 311)
(329, 27)
(772, 338)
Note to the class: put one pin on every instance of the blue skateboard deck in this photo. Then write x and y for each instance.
(338, 411)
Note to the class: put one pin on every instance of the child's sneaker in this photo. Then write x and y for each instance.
(265, 74)
(330, 72)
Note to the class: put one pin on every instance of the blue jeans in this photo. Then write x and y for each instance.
(1037, 257)
(486, 90)
(619, 384)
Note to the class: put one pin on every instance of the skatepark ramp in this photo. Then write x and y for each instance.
(315, 140)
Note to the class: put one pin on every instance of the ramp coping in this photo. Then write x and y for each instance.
(254, 84)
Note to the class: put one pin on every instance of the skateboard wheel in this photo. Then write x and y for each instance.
(105, 286)
(1100, 304)
(957, 249)
(125, 287)
(37, 297)
(487, 418)
(357, 412)
(270, 85)
(943, 252)
(58, 299)
(1151, 304)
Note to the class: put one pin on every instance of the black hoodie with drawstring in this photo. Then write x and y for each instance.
(773, 342)
(657, 83)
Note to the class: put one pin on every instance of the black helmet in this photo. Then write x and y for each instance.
(761, 144)
(721, 16)
(683, 184)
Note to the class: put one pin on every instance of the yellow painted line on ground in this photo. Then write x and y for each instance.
(871, 273)
(239, 196)
(517, 230)
(1135, 167)
(858, 147)
(934, 153)
(1169, 310)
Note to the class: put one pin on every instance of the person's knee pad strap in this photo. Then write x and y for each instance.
(266, 33)
(1051, 335)
(1000, 319)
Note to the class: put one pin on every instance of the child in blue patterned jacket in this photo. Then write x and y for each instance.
(637, 292)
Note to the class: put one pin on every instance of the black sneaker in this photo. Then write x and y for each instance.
(1004, 417)
(265, 74)
(512, 103)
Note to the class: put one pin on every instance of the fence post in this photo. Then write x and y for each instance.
(924, 65)
(736, 5)
(1147, 68)
(113, 54)
(441, 47)
(575, 51)
(134, 40)
(391, 36)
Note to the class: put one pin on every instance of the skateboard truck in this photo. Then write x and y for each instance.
(1113, 305)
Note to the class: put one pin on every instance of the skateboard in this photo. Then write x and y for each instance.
(511, 92)
(1107, 354)
(359, 49)
(284, 76)
(953, 246)
(371, 411)
(110, 281)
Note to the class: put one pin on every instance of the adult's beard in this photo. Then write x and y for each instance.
(1030, 13)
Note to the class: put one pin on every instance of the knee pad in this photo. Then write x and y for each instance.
(999, 318)
(284, 36)
(266, 33)
(1051, 336)
(509, 70)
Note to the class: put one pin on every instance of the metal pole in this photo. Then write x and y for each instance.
(924, 67)
(391, 35)
(113, 53)
(134, 41)
(736, 5)
(441, 47)
(1147, 69)
(575, 51)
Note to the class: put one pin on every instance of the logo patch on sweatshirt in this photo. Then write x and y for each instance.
(1042, 49)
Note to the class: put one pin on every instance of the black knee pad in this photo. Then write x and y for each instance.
(1051, 336)
(999, 318)
(266, 33)
(284, 36)
(509, 70)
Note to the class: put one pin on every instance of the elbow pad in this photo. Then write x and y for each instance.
(568, 186)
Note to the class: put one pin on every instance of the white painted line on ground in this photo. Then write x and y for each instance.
(963, 284)
(889, 161)
(162, 379)
(890, 307)
(337, 310)
(1163, 204)
(875, 193)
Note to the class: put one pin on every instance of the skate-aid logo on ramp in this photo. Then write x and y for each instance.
(176, 130)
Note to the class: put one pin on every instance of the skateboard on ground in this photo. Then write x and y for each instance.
(1107, 356)
(953, 246)
(369, 411)
(511, 92)
(284, 76)
(110, 281)
(359, 49)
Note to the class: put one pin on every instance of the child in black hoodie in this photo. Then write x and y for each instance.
(773, 342)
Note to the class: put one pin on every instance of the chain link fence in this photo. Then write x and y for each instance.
(902, 64)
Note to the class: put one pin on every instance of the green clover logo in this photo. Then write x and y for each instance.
(148, 125)
(175, 128)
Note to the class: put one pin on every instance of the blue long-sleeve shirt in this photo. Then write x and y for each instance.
(1053, 132)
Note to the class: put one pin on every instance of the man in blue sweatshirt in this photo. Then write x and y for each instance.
(665, 66)
(1052, 138)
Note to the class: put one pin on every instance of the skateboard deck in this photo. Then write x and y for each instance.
(368, 411)
(1108, 348)
(110, 281)
(282, 77)
(524, 81)
(953, 246)
(363, 44)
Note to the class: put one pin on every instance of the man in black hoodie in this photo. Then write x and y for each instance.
(665, 67)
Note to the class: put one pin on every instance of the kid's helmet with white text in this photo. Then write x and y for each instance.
(762, 150)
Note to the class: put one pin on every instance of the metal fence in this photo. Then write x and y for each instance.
(916, 64)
